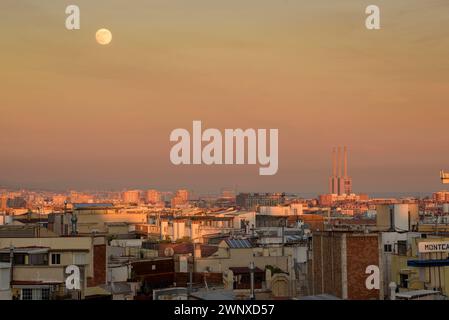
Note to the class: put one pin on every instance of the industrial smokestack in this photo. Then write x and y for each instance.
(345, 161)
(339, 161)
(334, 163)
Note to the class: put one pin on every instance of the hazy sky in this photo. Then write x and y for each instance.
(74, 114)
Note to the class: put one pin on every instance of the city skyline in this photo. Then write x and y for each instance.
(84, 116)
(216, 191)
(229, 158)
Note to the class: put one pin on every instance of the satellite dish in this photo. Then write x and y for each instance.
(169, 252)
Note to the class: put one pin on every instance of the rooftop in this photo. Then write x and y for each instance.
(416, 294)
(238, 243)
(220, 294)
(29, 250)
(81, 206)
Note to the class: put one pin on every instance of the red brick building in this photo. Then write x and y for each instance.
(99, 261)
(339, 263)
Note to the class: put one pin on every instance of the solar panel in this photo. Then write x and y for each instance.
(238, 243)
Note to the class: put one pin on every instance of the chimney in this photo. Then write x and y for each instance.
(334, 163)
(345, 161)
(339, 161)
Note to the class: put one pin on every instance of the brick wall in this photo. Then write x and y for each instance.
(337, 272)
(362, 251)
(327, 264)
(99, 266)
(316, 274)
(154, 273)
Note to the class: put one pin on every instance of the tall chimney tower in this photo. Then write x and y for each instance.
(334, 163)
(346, 184)
(345, 161)
(338, 183)
(339, 161)
(333, 180)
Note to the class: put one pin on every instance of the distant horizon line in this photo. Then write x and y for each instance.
(219, 191)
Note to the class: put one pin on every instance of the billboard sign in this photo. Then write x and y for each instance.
(428, 247)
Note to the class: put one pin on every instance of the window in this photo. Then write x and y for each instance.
(4, 257)
(19, 259)
(27, 294)
(404, 280)
(79, 258)
(45, 294)
(55, 258)
(402, 247)
(36, 294)
(387, 248)
(39, 259)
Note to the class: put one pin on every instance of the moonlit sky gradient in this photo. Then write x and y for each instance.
(74, 114)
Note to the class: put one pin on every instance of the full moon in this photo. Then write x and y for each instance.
(103, 36)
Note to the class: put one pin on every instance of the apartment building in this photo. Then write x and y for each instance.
(195, 228)
(251, 201)
(421, 262)
(38, 265)
(95, 218)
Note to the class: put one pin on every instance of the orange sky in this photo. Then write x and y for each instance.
(75, 114)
